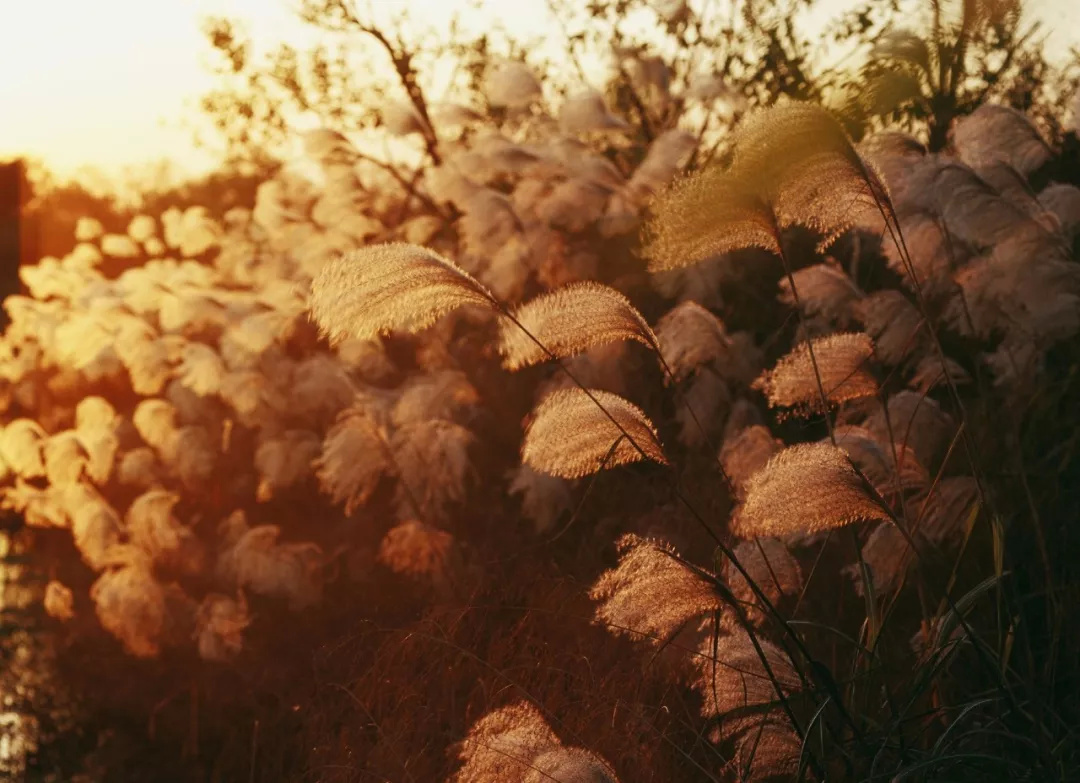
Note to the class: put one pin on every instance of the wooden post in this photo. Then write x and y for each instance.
(14, 194)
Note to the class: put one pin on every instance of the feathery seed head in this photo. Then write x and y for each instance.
(746, 452)
(96, 528)
(887, 556)
(434, 456)
(511, 84)
(284, 460)
(891, 468)
(825, 290)
(570, 320)
(690, 336)
(651, 594)
(65, 458)
(914, 421)
(444, 394)
(768, 749)
(514, 744)
(21, 444)
(804, 489)
(255, 561)
(570, 436)
(131, 605)
(840, 363)
(569, 765)
(945, 511)
(1000, 134)
(155, 420)
(163, 537)
(587, 113)
(771, 567)
(59, 602)
(391, 287)
(424, 553)
(544, 498)
(797, 158)
(734, 677)
(503, 744)
(219, 626)
(706, 215)
(354, 458)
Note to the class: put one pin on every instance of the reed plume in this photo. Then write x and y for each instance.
(651, 593)
(392, 287)
(804, 489)
(571, 435)
(840, 365)
(514, 744)
(571, 320)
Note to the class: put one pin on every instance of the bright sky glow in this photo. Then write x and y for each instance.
(112, 83)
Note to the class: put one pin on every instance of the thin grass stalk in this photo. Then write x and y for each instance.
(744, 621)
(588, 490)
(825, 412)
(896, 234)
(819, 671)
(728, 483)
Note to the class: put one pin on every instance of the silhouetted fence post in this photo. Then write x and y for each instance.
(14, 193)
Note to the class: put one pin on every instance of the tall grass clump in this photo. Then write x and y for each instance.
(577, 455)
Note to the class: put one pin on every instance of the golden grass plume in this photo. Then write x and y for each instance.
(390, 287)
(571, 436)
(570, 320)
(805, 489)
(841, 364)
(651, 593)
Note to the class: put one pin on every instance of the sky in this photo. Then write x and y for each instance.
(114, 84)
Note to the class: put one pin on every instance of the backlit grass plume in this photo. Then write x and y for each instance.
(651, 593)
(21, 446)
(132, 605)
(690, 336)
(893, 322)
(824, 290)
(799, 160)
(914, 421)
(890, 467)
(705, 215)
(253, 560)
(887, 556)
(803, 490)
(945, 512)
(768, 750)
(840, 363)
(570, 320)
(390, 287)
(571, 436)
(424, 554)
(770, 566)
(734, 677)
(793, 165)
(746, 452)
(515, 744)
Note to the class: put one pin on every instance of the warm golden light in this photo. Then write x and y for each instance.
(114, 85)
